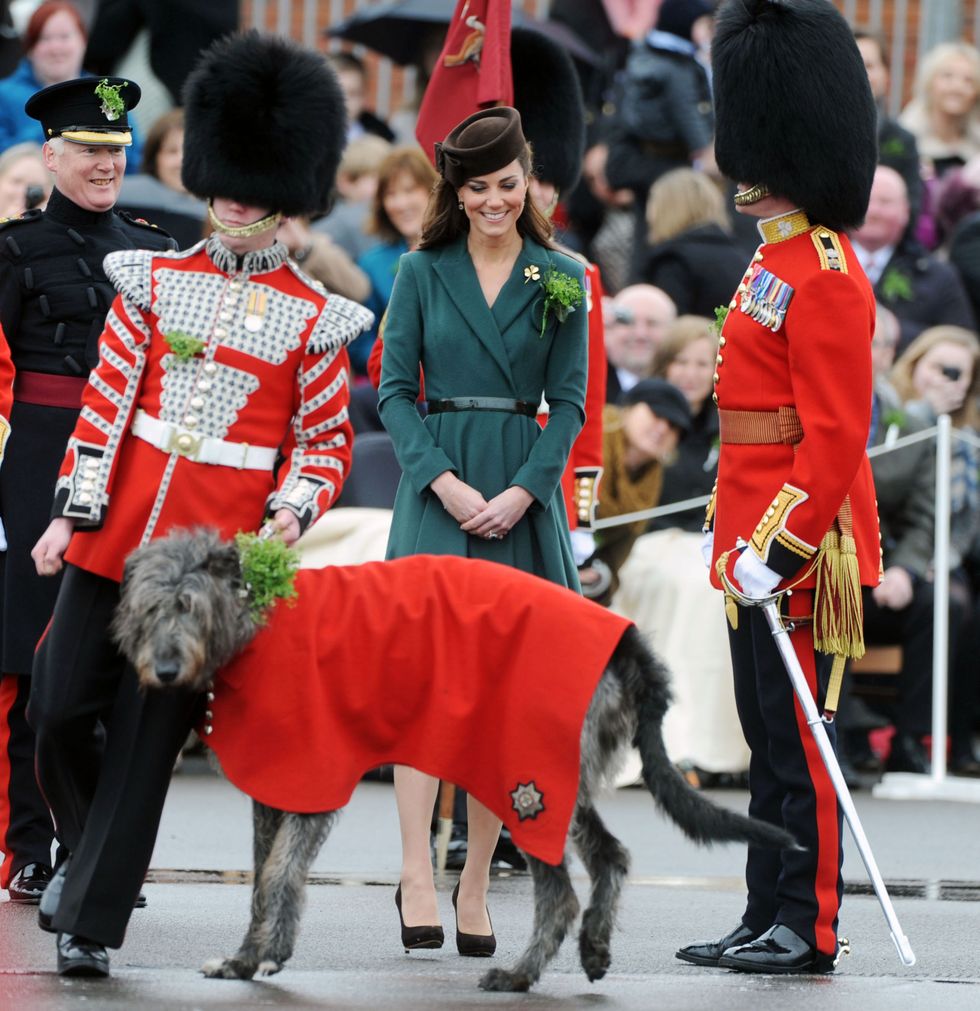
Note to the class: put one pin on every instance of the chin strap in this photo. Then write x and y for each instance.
(751, 196)
(243, 231)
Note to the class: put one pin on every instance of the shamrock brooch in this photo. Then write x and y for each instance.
(562, 293)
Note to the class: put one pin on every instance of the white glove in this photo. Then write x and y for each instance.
(754, 576)
(3, 537)
(708, 547)
(583, 546)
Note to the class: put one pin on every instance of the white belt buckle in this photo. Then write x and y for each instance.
(184, 444)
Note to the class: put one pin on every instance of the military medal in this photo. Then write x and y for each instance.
(255, 311)
(767, 299)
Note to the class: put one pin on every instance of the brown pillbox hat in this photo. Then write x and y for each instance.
(484, 142)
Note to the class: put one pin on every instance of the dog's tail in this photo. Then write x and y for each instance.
(697, 817)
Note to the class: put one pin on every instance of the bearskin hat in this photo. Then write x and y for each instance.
(548, 95)
(265, 124)
(793, 106)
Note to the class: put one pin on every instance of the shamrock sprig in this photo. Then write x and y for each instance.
(562, 293)
(269, 570)
(896, 284)
(112, 104)
(721, 314)
(183, 345)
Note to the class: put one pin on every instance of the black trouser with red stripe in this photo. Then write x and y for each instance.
(788, 782)
(26, 829)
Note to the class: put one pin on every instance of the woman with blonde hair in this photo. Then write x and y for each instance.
(944, 113)
(662, 584)
(693, 256)
(939, 373)
(24, 181)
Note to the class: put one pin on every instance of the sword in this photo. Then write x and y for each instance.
(817, 725)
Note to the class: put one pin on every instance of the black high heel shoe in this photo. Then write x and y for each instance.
(475, 945)
(427, 936)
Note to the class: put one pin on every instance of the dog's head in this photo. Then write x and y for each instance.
(182, 611)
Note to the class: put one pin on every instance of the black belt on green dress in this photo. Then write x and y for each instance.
(452, 404)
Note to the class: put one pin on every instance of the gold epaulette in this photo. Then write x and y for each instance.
(829, 249)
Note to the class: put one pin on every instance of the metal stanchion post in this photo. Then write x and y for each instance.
(940, 623)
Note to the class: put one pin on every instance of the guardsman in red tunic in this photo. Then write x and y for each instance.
(794, 503)
(220, 398)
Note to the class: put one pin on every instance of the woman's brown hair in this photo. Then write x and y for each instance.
(163, 125)
(410, 160)
(445, 221)
(683, 332)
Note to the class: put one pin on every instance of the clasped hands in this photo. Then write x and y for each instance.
(491, 520)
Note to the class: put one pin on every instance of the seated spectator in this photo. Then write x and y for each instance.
(638, 439)
(24, 181)
(157, 193)
(320, 257)
(939, 374)
(357, 182)
(352, 75)
(899, 610)
(611, 243)
(897, 147)
(405, 180)
(686, 358)
(636, 321)
(665, 119)
(54, 46)
(663, 586)
(918, 288)
(944, 114)
(693, 257)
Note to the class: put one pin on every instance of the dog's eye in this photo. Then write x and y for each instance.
(184, 603)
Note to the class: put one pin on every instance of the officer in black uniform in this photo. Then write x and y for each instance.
(54, 296)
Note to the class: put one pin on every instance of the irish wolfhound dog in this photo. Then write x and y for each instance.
(184, 613)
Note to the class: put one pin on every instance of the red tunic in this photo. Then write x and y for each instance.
(6, 391)
(467, 670)
(271, 374)
(816, 358)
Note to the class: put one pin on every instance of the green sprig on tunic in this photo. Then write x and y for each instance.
(721, 314)
(112, 104)
(183, 345)
(269, 570)
(562, 295)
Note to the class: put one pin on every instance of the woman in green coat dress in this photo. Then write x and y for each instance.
(482, 307)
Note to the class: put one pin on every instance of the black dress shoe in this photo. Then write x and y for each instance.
(28, 884)
(779, 950)
(50, 898)
(908, 754)
(77, 956)
(709, 952)
(506, 853)
(425, 936)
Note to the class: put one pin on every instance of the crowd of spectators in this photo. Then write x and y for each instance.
(653, 214)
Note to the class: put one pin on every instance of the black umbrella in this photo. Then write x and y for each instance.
(400, 29)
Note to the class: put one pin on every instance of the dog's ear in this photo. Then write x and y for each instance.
(223, 562)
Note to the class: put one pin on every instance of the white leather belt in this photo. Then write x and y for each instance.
(201, 448)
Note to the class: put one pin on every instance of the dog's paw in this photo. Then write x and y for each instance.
(227, 968)
(269, 967)
(502, 981)
(595, 959)
(594, 955)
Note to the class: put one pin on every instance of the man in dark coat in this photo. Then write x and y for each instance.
(54, 296)
(919, 288)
